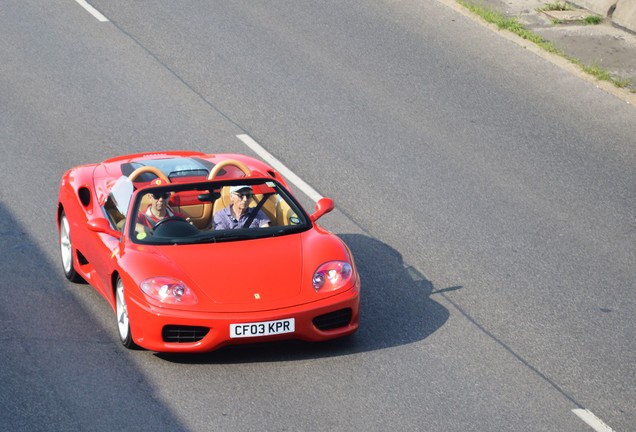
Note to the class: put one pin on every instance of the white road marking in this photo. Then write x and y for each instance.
(278, 166)
(91, 10)
(594, 422)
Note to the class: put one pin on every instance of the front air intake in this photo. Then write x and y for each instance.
(183, 334)
(333, 320)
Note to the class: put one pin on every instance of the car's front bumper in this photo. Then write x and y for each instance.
(148, 323)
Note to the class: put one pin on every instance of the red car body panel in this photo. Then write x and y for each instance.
(236, 282)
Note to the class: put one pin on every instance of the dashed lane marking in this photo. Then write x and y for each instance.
(278, 166)
(594, 422)
(91, 10)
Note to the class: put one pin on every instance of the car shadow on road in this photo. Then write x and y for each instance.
(61, 369)
(396, 309)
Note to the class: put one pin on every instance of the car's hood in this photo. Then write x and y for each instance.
(258, 272)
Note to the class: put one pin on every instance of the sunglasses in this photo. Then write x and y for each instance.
(164, 195)
(244, 196)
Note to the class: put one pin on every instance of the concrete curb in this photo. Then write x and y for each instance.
(625, 14)
(601, 7)
(621, 12)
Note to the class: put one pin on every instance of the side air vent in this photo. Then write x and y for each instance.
(183, 334)
(84, 196)
(81, 258)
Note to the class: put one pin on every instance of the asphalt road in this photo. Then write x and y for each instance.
(491, 211)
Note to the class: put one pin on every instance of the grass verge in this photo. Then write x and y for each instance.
(592, 20)
(558, 6)
(513, 25)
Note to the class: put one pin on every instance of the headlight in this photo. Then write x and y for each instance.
(332, 275)
(168, 290)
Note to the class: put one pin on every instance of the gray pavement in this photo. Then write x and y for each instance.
(610, 45)
(508, 304)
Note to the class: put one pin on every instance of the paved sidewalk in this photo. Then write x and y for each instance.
(605, 45)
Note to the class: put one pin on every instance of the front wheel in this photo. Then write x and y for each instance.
(123, 322)
(66, 249)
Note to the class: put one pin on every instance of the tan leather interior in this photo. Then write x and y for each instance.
(284, 213)
(270, 207)
(146, 200)
(223, 201)
(200, 214)
(277, 210)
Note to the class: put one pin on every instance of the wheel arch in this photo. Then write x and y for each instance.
(113, 285)
(60, 210)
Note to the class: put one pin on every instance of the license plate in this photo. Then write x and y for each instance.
(265, 328)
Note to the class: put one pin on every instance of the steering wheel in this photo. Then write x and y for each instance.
(169, 219)
(240, 165)
(148, 169)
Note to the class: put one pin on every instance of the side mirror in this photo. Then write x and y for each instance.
(323, 206)
(101, 225)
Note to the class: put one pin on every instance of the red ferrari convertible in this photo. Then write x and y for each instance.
(196, 251)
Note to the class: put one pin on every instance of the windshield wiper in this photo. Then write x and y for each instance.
(233, 235)
(246, 234)
(224, 236)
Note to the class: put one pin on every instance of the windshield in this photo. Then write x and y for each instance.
(215, 211)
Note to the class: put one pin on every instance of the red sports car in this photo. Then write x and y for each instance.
(196, 251)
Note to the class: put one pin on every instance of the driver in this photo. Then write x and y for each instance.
(240, 212)
(158, 210)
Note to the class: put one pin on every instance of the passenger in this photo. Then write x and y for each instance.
(239, 212)
(158, 210)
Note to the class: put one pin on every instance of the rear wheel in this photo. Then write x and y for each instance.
(123, 322)
(66, 250)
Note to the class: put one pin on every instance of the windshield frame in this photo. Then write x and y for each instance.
(214, 188)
